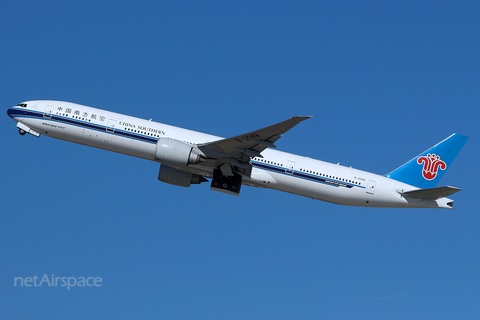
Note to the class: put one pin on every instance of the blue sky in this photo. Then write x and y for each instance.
(383, 82)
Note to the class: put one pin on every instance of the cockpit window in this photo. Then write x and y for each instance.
(23, 105)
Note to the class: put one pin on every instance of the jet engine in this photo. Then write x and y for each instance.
(176, 153)
(177, 177)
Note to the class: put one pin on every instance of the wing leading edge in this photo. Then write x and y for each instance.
(250, 144)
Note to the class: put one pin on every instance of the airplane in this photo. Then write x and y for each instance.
(188, 157)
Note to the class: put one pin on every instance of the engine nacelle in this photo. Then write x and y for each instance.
(177, 177)
(176, 153)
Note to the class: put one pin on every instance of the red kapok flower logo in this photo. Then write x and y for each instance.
(431, 164)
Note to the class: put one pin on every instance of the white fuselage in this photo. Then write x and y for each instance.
(276, 170)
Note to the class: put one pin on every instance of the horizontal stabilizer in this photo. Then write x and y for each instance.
(431, 193)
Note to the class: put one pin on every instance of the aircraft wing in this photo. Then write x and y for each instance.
(249, 145)
(431, 193)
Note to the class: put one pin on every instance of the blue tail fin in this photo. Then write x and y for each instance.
(426, 169)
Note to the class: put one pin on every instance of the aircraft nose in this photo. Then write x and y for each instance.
(14, 113)
(10, 112)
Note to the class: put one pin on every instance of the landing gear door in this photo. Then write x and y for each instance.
(371, 187)
(48, 112)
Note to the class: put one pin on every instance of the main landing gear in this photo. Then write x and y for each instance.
(22, 132)
(226, 184)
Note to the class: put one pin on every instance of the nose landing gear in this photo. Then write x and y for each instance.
(22, 129)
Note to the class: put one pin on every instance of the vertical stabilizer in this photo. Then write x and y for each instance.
(426, 169)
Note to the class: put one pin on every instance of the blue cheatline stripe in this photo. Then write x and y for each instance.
(16, 113)
(303, 175)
